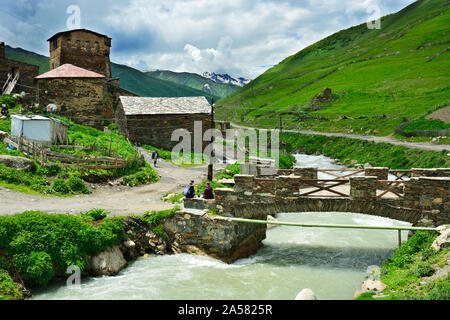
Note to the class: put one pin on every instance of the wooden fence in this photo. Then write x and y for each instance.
(46, 157)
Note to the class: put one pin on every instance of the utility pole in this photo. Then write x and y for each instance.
(211, 159)
(213, 126)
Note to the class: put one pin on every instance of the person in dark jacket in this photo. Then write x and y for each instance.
(208, 194)
(190, 190)
(155, 156)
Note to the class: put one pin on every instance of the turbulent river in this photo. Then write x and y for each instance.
(331, 262)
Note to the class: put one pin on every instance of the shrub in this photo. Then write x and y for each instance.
(419, 242)
(36, 268)
(95, 214)
(77, 185)
(8, 290)
(422, 269)
(8, 100)
(33, 237)
(60, 186)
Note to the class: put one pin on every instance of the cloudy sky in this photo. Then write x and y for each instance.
(238, 37)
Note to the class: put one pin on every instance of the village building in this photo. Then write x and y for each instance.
(152, 121)
(78, 94)
(80, 82)
(41, 130)
(15, 76)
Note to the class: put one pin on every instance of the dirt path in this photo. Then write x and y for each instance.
(413, 145)
(119, 200)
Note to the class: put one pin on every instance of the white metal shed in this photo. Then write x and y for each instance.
(39, 129)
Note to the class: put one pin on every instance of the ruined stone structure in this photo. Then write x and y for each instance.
(152, 120)
(25, 74)
(83, 48)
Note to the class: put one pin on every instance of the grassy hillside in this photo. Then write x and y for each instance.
(130, 79)
(376, 76)
(194, 81)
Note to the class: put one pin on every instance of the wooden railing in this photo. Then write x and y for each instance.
(332, 172)
(400, 174)
(388, 186)
(324, 185)
(264, 186)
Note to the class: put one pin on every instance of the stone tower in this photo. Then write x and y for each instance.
(83, 48)
(2, 50)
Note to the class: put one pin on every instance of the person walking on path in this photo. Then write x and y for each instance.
(155, 156)
(189, 190)
(208, 194)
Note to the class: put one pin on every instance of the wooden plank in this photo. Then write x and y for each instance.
(89, 167)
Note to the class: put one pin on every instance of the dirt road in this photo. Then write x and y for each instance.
(413, 145)
(119, 200)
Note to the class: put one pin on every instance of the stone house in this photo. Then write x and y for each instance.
(79, 82)
(78, 94)
(152, 120)
(24, 73)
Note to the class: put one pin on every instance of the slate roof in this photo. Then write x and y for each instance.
(70, 31)
(149, 106)
(69, 71)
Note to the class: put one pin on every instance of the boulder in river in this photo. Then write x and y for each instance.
(107, 263)
(306, 294)
(19, 163)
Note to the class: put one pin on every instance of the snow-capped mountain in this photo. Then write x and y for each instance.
(225, 78)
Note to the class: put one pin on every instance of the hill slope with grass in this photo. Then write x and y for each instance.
(377, 77)
(194, 81)
(130, 79)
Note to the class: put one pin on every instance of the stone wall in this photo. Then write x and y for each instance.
(27, 74)
(380, 172)
(83, 49)
(197, 232)
(436, 172)
(79, 99)
(156, 130)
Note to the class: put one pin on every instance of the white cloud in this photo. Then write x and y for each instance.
(233, 36)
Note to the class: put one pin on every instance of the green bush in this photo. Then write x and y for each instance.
(8, 290)
(422, 269)
(8, 100)
(35, 268)
(60, 186)
(66, 239)
(77, 185)
(95, 214)
(419, 242)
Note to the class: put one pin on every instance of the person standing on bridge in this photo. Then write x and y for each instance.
(155, 156)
